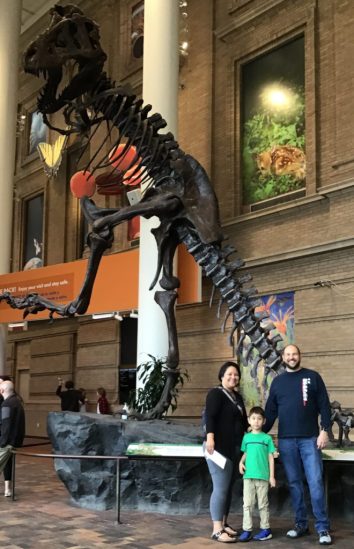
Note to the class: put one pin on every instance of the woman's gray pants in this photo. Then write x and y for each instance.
(223, 481)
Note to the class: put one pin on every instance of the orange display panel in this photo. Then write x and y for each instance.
(115, 288)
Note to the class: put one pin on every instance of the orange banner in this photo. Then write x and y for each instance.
(115, 288)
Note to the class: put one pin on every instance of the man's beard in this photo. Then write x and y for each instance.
(293, 366)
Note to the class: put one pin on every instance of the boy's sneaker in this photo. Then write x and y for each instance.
(324, 538)
(245, 536)
(263, 535)
(297, 532)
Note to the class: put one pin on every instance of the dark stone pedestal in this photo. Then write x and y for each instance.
(163, 486)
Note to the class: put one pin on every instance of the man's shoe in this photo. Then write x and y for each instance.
(263, 535)
(297, 532)
(324, 538)
(245, 536)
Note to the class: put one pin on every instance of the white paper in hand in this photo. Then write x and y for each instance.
(217, 458)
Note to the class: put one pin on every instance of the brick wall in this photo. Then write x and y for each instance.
(289, 246)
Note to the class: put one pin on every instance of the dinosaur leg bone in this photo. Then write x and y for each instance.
(98, 243)
(33, 303)
(167, 242)
(166, 300)
(156, 205)
(93, 212)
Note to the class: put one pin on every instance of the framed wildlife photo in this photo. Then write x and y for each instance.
(273, 123)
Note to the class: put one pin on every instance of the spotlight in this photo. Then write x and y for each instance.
(134, 314)
(118, 316)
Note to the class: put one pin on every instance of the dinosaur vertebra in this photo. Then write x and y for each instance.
(179, 191)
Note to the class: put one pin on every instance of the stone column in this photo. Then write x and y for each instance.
(160, 89)
(10, 24)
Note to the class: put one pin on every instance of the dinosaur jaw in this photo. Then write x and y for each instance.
(51, 98)
(71, 40)
(47, 101)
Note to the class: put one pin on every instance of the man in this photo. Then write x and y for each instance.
(298, 397)
(3, 378)
(12, 430)
(71, 398)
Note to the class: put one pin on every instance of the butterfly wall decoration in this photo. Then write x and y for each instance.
(51, 155)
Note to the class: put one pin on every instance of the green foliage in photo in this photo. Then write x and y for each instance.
(263, 131)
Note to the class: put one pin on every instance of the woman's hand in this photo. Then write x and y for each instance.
(210, 443)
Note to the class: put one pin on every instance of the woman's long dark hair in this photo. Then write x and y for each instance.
(227, 365)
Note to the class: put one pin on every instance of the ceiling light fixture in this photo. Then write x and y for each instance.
(118, 316)
(17, 326)
(134, 314)
(102, 316)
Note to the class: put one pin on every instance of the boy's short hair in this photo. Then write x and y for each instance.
(257, 410)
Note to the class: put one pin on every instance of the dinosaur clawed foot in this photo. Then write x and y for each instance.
(32, 304)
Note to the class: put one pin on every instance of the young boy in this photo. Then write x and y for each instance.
(257, 468)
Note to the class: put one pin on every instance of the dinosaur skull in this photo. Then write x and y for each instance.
(70, 38)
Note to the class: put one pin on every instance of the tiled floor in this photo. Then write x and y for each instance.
(43, 517)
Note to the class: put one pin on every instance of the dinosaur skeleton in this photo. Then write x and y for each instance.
(178, 190)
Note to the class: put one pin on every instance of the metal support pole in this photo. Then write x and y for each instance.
(118, 521)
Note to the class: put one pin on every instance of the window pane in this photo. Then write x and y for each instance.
(273, 123)
(33, 233)
(137, 32)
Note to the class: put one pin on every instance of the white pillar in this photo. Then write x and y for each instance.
(10, 25)
(160, 89)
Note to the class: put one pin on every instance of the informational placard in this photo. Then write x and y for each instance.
(338, 454)
(165, 450)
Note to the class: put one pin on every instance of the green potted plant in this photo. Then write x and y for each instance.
(152, 375)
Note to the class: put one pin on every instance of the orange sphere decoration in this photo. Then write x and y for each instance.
(82, 184)
(122, 160)
(132, 179)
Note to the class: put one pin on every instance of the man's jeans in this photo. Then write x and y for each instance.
(300, 455)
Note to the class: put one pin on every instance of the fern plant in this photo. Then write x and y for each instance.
(152, 375)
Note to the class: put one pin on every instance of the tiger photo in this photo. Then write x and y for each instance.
(282, 160)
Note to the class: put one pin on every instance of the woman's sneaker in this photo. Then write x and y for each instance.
(263, 535)
(324, 538)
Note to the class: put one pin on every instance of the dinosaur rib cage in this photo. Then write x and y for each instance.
(126, 113)
(241, 305)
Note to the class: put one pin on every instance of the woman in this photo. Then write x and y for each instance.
(102, 402)
(226, 423)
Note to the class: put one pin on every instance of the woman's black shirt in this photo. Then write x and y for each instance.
(228, 421)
